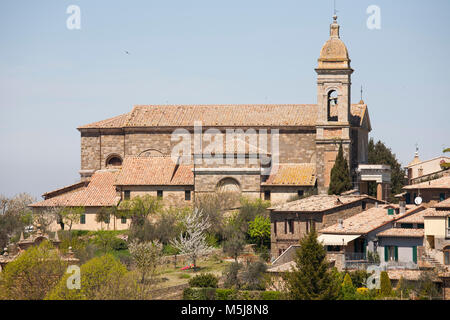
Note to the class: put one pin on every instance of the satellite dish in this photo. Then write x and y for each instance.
(418, 200)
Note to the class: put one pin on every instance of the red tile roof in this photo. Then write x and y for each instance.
(402, 233)
(99, 192)
(138, 171)
(441, 183)
(293, 174)
(221, 115)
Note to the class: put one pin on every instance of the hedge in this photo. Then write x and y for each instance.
(229, 294)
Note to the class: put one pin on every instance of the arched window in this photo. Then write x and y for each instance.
(114, 161)
(447, 255)
(332, 103)
(228, 185)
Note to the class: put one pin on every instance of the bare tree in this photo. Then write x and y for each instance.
(193, 241)
(45, 217)
(146, 256)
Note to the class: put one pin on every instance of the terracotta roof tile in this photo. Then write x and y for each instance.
(443, 204)
(98, 193)
(317, 203)
(367, 221)
(402, 233)
(293, 174)
(433, 212)
(413, 218)
(221, 115)
(441, 183)
(154, 171)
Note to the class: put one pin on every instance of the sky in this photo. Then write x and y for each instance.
(54, 79)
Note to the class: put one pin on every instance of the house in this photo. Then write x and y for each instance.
(349, 241)
(419, 171)
(291, 221)
(431, 192)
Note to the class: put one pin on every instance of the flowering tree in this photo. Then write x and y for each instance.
(193, 241)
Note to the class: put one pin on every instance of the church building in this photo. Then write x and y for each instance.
(283, 150)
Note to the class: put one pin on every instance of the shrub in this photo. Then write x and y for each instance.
(118, 244)
(170, 250)
(199, 294)
(348, 290)
(33, 274)
(204, 280)
(271, 295)
(225, 294)
(385, 284)
(95, 274)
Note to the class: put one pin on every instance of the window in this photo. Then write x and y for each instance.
(407, 225)
(275, 227)
(420, 226)
(300, 193)
(83, 219)
(414, 254)
(123, 220)
(187, 195)
(159, 194)
(447, 255)
(390, 253)
(441, 197)
(267, 195)
(333, 248)
(310, 225)
(332, 110)
(291, 226)
(408, 198)
(114, 161)
(363, 205)
(126, 194)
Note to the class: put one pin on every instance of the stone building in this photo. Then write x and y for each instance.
(275, 151)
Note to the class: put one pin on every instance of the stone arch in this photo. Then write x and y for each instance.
(332, 103)
(151, 153)
(113, 160)
(228, 185)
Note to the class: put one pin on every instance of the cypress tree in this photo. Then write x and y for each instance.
(340, 175)
(312, 279)
(385, 284)
(348, 290)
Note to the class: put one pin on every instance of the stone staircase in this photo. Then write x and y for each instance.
(433, 262)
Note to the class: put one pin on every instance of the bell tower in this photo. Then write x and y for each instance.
(333, 102)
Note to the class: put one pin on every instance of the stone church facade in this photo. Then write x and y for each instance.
(136, 149)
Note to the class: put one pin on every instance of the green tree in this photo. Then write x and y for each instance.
(140, 208)
(95, 274)
(104, 239)
(445, 165)
(259, 228)
(348, 290)
(379, 153)
(147, 257)
(385, 284)
(71, 215)
(340, 175)
(311, 279)
(33, 274)
(104, 215)
(234, 245)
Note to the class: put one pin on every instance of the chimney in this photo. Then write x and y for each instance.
(341, 223)
(402, 207)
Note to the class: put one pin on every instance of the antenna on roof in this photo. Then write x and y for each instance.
(334, 8)
(361, 92)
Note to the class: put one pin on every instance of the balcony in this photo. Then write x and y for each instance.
(355, 256)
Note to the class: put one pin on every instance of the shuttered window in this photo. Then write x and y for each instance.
(414, 253)
(83, 219)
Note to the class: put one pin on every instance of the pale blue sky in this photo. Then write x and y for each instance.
(203, 52)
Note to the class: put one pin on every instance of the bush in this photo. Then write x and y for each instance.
(225, 294)
(271, 295)
(204, 280)
(385, 284)
(199, 294)
(348, 290)
(118, 244)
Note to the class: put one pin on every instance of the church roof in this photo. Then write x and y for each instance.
(99, 192)
(138, 171)
(278, 115)
(293, 174)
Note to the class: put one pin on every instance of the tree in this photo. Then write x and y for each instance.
(311, 278)
(253, 276)
(249, 210)
(104, 239)
(340, 175)
(95, 275)
(33, 274)
(234, 245)
(14, 216)
(139, 208)
(259, 228)
(104, 215)
(385, 284)
(426, 287)
(71, 215)
(146, 256)
(44, 218)
(379, 153)
(445, 165)
(348, 290)
(193, 241)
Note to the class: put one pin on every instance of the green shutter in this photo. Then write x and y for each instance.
(414, 254)
(386, 253)
(83, 219)
(396, 253)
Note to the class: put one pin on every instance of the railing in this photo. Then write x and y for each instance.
(355, 256)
